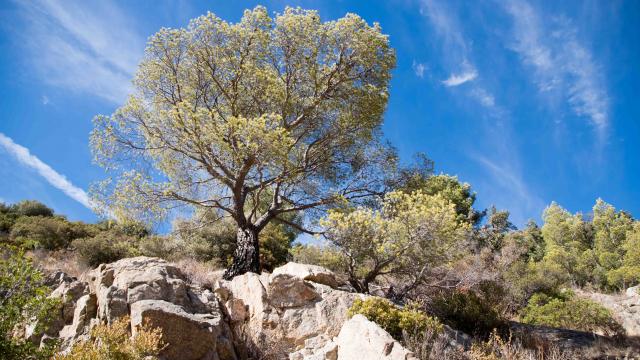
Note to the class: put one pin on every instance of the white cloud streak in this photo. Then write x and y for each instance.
(459, 79)
(57, 180)
(560, 62)
(84, 48)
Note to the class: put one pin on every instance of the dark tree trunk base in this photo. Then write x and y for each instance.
(246, 257)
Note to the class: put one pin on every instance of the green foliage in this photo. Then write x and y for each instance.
(565, 310)
(23, 299)
(325, 256)
(396, 321)
(286, 105)
(524, 279)
(113, 342)
(410, 235)
(216, 241)
(106, 247)
(50, 233)
(31, 208)
(492, 234)
(468, 311)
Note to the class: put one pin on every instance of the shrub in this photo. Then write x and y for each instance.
(394, 320)
(567, 311)
(164, 247)
(324, 256)
(468, 312)
(105, 247)
(50, 233)
(23, 299)
(31, 208)
(114, 342)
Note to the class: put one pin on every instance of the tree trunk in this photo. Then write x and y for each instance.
(246, 257)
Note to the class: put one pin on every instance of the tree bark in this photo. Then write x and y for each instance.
(246, 257)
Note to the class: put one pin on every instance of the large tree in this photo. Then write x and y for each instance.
(225, 113)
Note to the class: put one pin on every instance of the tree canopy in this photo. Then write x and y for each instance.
(223, 113)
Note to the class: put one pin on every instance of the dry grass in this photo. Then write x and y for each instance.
(60, 260)
(199, 273)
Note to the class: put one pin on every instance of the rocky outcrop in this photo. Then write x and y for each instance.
(284, 310)
(188, 336)
(625, 307)
(298, 312)
(149, 291)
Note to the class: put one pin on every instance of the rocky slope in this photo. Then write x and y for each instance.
(625, 307)
(297, 312)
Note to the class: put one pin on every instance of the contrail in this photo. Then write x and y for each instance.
(24, 156)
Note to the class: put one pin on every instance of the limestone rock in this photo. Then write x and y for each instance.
(284, 310)
(85, 310)
(189, 336)
(624, 307)
(313, 273)
(287, 291)
(363, 339)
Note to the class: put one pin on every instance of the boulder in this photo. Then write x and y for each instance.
(624, 307)
(360, 338)
(633, 291)
(119, 284)
(188, 336)
(289, 291)
(283, 310)
(85, 311)
(313, 273)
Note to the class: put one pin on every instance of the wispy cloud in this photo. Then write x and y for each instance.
(45, 100)
(560, 61)
(484, 97)
(510, 189)
(59, 181)
(459, 79)
(418, 69)
(458, 52)
(92, 49)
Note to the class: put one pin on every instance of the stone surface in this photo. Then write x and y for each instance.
(363, 339)
(624, 308)
(129, 280)
(313, 273)
(284, 310)
(289, 291)
(189, 336)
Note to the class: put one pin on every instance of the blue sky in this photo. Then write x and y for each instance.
(530, 102)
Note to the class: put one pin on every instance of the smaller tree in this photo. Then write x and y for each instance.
(411, 235)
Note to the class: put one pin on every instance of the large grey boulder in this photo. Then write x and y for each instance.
(283, 310)
(187, 336)
(360, 338)
(313, 273)
(119, 284)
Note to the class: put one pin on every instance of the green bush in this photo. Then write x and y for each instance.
(396, 321)
(468, 312)
(570, 312)
(324, 256)
(164, 247)
(106, 247)
(50, 233)
(31, 208)
(23, 299)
